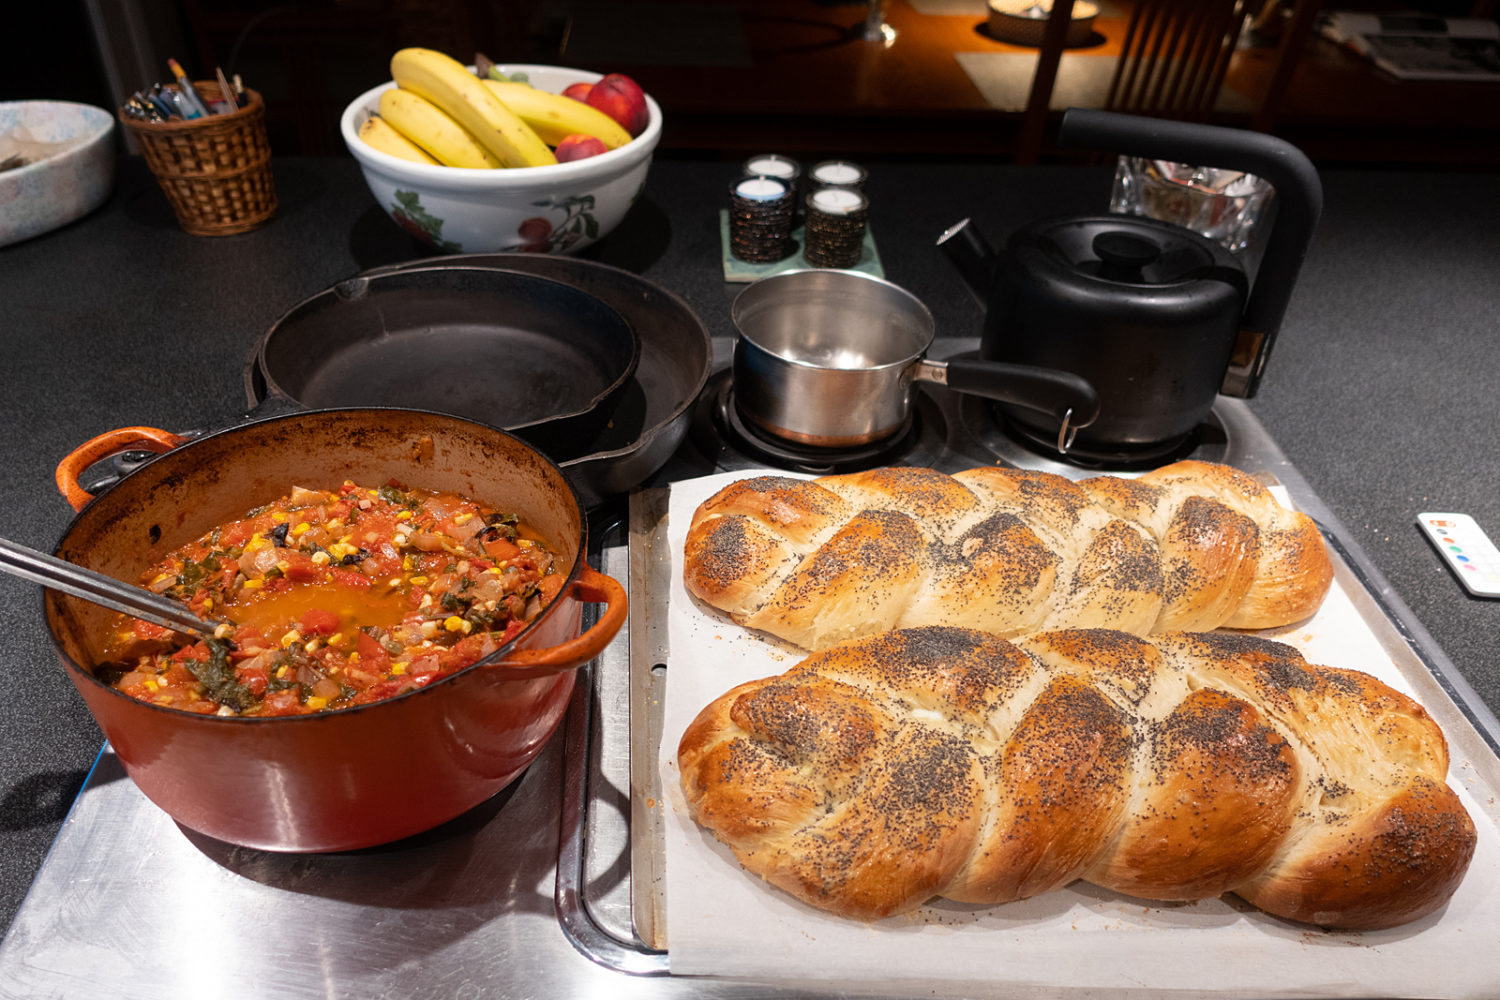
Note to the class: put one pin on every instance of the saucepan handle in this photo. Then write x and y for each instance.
(102, 447)
(591, 586)
(1068, 398)
(1047, 390)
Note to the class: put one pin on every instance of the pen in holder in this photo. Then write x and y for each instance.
(215, 170)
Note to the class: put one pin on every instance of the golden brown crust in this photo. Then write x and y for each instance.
(936, 761)
(1189, 546)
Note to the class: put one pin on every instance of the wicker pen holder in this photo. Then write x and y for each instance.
(215, 170)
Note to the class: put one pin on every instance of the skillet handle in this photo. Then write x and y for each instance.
(594, 587)
(107, 444)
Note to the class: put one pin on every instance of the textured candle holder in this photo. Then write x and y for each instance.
(835, 227)
(760, 219)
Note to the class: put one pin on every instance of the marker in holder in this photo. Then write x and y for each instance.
(835, 227)
(760, 219)
(837, 173)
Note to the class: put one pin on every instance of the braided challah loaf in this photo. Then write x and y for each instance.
(1191, 546)
(888, 770)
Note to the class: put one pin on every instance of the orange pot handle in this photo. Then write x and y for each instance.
(107, 444)
(591, 586)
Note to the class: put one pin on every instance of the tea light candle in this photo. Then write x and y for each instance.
(837, 201)
(838, 173)
(772, 165)
(760, 188)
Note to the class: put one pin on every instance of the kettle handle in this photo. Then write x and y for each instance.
(1299, 202)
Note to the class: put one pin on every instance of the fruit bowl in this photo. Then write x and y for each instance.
(558, 208)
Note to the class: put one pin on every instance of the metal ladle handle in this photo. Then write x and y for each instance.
(59, 574)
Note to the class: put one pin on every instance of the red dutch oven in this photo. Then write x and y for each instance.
(359, 776)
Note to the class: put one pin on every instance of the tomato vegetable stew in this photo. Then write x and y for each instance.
(334, 599)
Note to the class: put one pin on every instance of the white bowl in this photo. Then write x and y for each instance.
(461, 210)
(60, 186)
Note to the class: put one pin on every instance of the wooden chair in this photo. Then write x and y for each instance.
(1174, 57)
(1172, 63)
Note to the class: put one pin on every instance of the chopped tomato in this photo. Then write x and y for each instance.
(150, 631)
(501, 550)
(372, 655)
(236, 533)
(550, 586)
(283, 702)
(299, 568)
(255, 679)
(317, 621)
(350, 578)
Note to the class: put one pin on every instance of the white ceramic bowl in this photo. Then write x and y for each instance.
(60, 186)
(565, 207)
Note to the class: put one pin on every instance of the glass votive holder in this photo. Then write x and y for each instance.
(760, 219)
(834, 232)
(1223, 205)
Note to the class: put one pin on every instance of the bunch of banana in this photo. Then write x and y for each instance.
(426, 126)
(379, 133)
(457, 93)
(554, 117)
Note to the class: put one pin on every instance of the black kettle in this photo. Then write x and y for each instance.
(1157, 317)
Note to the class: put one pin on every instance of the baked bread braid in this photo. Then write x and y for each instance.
(892, 769)
(1192, 546)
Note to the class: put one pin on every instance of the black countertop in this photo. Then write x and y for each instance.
(1380, 389)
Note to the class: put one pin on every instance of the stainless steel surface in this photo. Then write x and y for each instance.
(552, 889)
(59, 574)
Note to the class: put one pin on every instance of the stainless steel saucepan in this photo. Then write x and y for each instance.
(826, 358)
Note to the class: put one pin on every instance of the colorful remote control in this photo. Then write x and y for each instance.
(1466, 549)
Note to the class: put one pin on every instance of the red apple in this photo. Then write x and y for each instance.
(578, 91)
(579, 147)
(618, 96)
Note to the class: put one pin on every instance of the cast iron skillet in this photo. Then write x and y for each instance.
(528, 354)
(652, 413)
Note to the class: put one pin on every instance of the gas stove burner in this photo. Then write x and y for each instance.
(765, 447)
(1023, 448)
(1081, 454)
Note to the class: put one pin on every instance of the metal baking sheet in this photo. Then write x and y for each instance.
(551, 889)
(721, 921)
(1471, 728)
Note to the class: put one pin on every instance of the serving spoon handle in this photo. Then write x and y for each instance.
(59, 574)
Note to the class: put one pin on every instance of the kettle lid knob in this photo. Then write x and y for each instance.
(1124, 255)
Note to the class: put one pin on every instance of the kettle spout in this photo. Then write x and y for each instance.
(972, 254)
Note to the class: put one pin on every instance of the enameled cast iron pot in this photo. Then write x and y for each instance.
(360, 776)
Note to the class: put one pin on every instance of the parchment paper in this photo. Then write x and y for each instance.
(1081, 940)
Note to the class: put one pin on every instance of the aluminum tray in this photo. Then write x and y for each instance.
(549, 890)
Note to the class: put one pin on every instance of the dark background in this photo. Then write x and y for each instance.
(732, 75)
